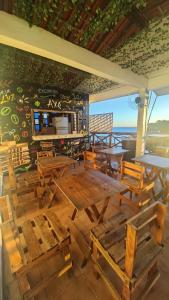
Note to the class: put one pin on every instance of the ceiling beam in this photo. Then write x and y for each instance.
(17, 33)
(114, 93)
(159, 81)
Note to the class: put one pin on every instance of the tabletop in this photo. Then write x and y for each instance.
(154, 161)
(85, 188)
(113, 151)
(59, 161)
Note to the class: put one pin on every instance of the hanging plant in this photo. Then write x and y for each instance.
(49, 14)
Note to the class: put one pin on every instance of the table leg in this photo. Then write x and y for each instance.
(74, 214)
(103, 210)
(89, 214)
(95, 211)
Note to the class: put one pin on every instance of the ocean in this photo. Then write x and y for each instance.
(124, 129)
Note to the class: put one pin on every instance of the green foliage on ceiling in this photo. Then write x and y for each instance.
(24, 66)
(147, 51)
(29, 68)
(50, 15)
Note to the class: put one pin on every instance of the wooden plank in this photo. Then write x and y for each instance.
(161, 213)
(113, 290)
(117, 251)
(46, 234)
(15, 258)
(24, 285)
(113, 237)
(110, 261)
(131, 244)
(46, 281)
(108, 225)
(132, 173)
(133, 166)
(149, 251)
(33, 244)
(60, 231)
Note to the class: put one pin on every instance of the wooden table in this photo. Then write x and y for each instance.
(115, 153)
(54, 166)
(86, 188)
(159, 168)
(37, 240)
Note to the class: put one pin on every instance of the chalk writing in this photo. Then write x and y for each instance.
(6, 97)
(58, 103)
(48, 91)
(52, 103)
(17, 137)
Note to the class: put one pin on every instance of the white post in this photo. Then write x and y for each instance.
(142, 123)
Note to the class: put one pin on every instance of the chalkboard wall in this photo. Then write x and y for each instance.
(17, 100)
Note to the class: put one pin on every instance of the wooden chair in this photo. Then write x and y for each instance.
(42, 197)
(32, 244)
(91, 161)
(133, 176)
(45, 154)
(131, 249)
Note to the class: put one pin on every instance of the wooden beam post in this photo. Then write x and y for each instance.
(142, 123)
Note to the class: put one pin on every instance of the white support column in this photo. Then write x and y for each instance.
(142, 123)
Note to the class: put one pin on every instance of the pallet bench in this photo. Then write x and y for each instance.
(31, 244)
(123, 245)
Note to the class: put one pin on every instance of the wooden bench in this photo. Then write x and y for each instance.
(131, 251)
(32, 243)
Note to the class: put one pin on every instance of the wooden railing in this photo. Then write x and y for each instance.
(111, 139)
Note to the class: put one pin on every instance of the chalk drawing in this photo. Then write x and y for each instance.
(5, 111)
(27, 115)
(19, 89)
(19, 108)
(12, 132)
(23, 100)
(15, 119)
(37, 103)
(25, 134)
(24, 124)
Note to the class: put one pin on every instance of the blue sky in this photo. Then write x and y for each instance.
(125, 112)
